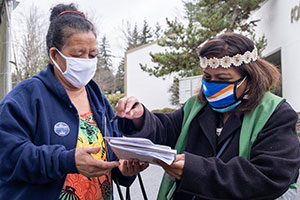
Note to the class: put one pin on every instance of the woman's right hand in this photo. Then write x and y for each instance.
(125, 108)
(89, 166)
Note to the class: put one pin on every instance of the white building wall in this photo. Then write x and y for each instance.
(149, 90)
(282, 34)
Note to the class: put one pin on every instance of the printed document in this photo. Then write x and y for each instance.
(141, 148)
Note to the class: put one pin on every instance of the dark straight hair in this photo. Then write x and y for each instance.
(64, 25)
(261, 74)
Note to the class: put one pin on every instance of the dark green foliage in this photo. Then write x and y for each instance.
(120, 77)
(174, 90)
(114, 98)
(104, 74)
(206, 18)
(104, 55)
(146, 35)
(164, 110)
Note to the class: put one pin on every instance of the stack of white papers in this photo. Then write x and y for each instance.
(141, 148)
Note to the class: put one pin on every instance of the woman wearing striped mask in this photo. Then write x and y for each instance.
(235, 139)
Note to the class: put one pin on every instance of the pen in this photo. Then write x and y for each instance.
(116, 116)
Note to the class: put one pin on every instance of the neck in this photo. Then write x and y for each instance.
(226, 116)
(78, 96)
(75, 92)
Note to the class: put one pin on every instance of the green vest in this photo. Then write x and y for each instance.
(253, 123)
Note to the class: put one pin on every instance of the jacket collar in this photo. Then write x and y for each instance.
(233, 123)
(49, 80)
(208, 123)
(52, 84)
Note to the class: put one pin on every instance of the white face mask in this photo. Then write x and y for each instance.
(79, 71)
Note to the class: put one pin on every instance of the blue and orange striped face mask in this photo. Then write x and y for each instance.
(221, 95)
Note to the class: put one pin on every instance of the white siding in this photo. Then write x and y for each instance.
(188, 87)
(282, 34)
(151, 91)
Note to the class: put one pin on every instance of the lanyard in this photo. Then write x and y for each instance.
(224, 146)
(220, 152)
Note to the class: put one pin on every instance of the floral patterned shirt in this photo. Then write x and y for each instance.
(78, 186)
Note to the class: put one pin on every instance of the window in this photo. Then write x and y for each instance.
(275, 59)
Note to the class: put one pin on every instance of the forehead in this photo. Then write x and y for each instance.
(220, 70)
(81, 40)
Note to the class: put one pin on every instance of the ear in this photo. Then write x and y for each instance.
(52, 54)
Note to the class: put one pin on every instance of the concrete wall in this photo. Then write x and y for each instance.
(151, 91)
(280, 23)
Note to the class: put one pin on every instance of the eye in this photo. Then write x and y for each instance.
(224, 77)
(91, 56)
(76, 56)
(206, 77)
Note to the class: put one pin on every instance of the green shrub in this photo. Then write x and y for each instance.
(114, 98)
(164, 110)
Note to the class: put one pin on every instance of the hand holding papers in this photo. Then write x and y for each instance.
(141, 148)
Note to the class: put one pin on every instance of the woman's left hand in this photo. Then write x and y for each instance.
(176, 168)
(132, 167)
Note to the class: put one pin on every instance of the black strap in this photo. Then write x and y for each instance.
(142, 186)
(128, 193)
(119, 189)
(128, 189)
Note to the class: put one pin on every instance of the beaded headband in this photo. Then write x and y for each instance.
(71, 11)
(226, 61)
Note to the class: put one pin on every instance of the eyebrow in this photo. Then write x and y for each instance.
(219, 74)
(76, 51)
(224, 74)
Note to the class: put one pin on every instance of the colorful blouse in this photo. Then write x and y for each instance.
(79, 187)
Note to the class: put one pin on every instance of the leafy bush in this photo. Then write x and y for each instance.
(164, 110)
(114, 98)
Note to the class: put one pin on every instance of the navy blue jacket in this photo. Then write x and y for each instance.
(34, 158)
